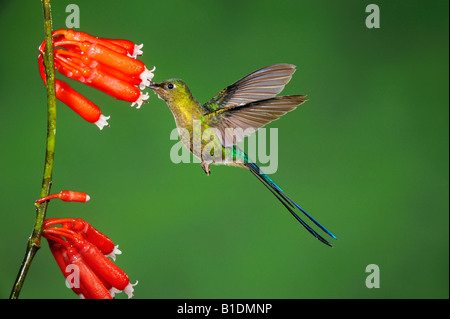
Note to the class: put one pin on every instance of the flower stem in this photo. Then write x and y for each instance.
(34, 242)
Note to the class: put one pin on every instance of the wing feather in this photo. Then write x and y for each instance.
(261, 84)
(250, 103)
(237, 122)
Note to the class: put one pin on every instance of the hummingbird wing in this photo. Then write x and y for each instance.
(262, 84)
(250, 103)
(236, 122)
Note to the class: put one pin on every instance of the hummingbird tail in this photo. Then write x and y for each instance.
(287, 202)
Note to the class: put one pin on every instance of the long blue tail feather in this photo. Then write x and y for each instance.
(287, 202)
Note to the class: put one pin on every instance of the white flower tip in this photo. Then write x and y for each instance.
(102, 121)
(88, 197)
(116, 251)
(137, 51)
(113, 291)
(140, 100)
(129, 289)
(146, 78)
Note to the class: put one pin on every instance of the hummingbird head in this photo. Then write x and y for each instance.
(173, 91)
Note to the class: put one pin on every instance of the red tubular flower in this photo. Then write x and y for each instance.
(108, 65)
(104, 81)
(60, 255)
(78, 243)
(133, 50)
(92, 235)
(67, 196)
(59, 252)
(100, 240)
(88, 279)
(115, 276)
(77, 102)
(84, 37)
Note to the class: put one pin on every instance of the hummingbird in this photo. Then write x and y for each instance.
(231, 115)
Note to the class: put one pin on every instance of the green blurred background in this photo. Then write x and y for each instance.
(367, 155)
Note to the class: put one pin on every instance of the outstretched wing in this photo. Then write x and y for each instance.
(250, 103)
(261, 84)
(239, 121)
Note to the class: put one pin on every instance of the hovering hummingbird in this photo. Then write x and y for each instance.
(233, 114)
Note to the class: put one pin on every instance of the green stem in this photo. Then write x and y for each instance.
(34, 242)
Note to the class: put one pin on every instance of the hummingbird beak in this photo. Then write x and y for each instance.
(153, 85)
(157, 89)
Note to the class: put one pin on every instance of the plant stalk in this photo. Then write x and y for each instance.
(34, 242)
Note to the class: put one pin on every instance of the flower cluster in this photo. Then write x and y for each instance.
(82, 252)
(108, 65)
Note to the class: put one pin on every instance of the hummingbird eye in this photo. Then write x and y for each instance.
(170, 86)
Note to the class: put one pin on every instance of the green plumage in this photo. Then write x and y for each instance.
(211, 131)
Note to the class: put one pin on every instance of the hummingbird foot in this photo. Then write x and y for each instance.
(205, 166)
